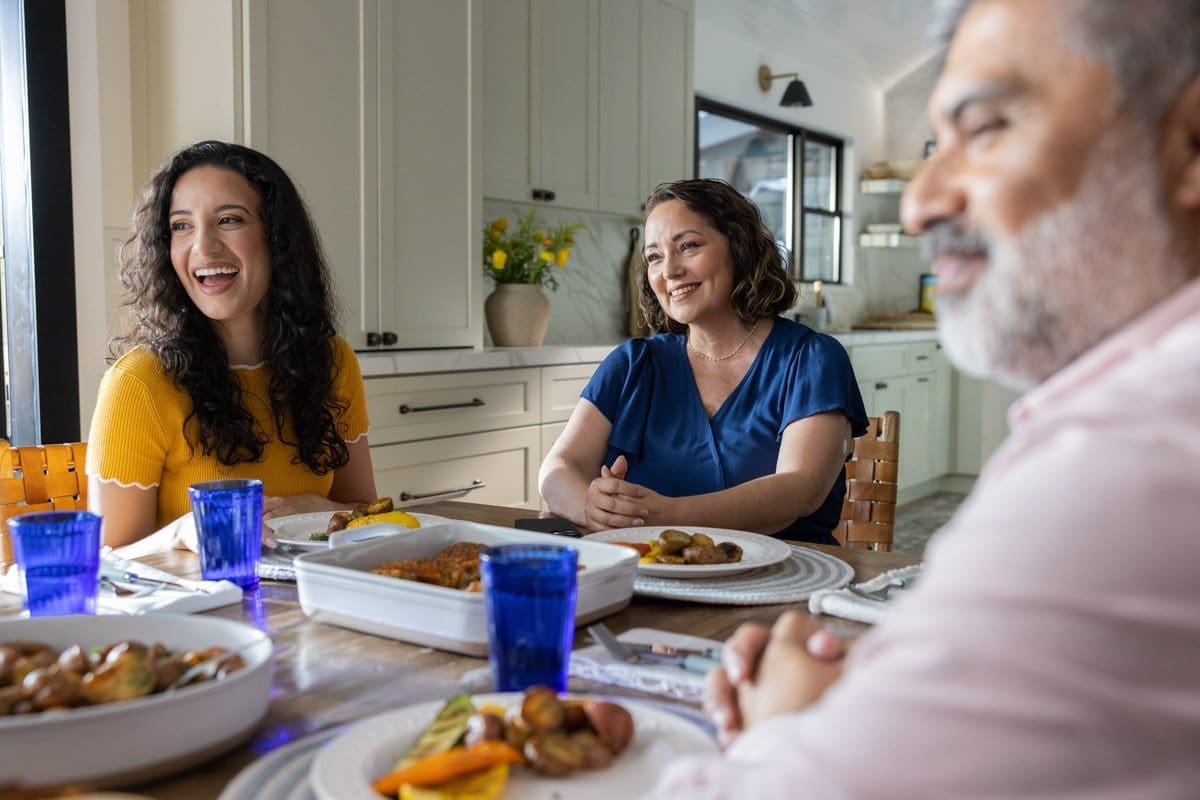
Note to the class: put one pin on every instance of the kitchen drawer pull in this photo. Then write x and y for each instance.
(475, 402)
(922, 358)
(475, 484)
(922, 380)
(881, 385)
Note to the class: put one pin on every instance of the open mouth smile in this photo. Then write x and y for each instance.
(681, 291)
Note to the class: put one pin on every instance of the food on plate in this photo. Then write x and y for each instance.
(396, 517)
(379, 510)
(38, 677)
(456, 567)
(460, 759)
(642, 548)
(679, 547)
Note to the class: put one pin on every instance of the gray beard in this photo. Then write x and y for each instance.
(1072, 276)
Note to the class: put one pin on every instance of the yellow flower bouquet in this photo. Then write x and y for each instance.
(530, 254)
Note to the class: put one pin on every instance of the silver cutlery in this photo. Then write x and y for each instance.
(124, 591)
(617, 649)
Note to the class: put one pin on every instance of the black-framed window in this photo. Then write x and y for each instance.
(793, 175)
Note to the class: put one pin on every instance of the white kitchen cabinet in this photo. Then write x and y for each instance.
(497, 467)
(588, 103)
(477, 435)
(907, 378)
(372, 106)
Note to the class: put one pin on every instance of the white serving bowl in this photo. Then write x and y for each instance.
(118, 744)
(337, 586)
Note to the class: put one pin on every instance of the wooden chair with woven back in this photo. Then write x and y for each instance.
(869, 508)
(48, 477)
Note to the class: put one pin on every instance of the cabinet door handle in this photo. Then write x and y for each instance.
(475, 401)
(922, 380)
(919, 358)
(390, 338)
(543, 194)
(373, 339)
(475, 484)
(880, 385)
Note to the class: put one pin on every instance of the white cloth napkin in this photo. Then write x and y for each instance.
(199, 596)
(594, 663)
(843, 603)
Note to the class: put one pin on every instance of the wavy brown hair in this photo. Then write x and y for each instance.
(299, 324)
(761, 286)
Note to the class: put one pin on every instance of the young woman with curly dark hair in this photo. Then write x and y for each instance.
(231, 367)
(731, 416)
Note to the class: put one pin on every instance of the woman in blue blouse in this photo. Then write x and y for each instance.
(731, 416)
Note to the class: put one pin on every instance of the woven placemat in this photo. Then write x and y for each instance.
(790, 581)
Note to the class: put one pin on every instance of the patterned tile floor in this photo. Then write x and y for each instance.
(916, 521)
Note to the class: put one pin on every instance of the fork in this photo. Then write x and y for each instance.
(877, 595)
(622, 652)
(121, 591)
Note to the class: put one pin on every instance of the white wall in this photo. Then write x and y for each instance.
(101, 176)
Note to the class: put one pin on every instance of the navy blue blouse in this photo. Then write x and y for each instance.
(647, 391)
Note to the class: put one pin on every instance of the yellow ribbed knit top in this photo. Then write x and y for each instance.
(137, 439)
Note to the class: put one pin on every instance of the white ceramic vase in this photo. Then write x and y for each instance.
(517, 314)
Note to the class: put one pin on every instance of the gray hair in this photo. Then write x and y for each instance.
(1152, 46)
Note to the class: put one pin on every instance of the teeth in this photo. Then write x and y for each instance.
(207, 272)
(682, 290)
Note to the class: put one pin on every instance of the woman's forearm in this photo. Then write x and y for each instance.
(564, 488)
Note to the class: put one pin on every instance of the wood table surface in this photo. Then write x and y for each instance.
(326, 676)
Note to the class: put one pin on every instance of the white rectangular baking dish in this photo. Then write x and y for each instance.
(337, 586)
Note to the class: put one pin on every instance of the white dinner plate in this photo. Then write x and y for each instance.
(757, 550)
(346, 767)
(295, 529)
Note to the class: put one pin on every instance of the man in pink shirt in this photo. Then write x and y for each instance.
(1052, 646)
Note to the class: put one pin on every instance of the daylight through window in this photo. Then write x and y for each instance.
(793, 175)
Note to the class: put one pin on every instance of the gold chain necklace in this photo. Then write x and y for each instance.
(731, 353)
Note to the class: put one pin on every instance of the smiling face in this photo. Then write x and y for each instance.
(219, 246)
(1041, 209)
(687, 264)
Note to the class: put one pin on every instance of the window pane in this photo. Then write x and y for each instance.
(819, 173)
(753, 159)
(821, 237)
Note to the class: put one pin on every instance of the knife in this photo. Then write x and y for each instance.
(670, 650)
(623, 651)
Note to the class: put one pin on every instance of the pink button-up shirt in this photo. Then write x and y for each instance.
(1052, 646)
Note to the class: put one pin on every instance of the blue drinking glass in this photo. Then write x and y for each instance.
(529, 593)
(59, 555)
(228, 518)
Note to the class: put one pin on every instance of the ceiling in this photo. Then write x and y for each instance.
(878, 41)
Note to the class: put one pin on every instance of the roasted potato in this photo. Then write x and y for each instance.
(75, 659)
(612, 723)
(671, 541)
(595, 754)
(483, 726)
(702, 540)
(703, 555)
(338, 521)
(553, 753)
(733, 553)
(125, 674)
(380, 505)
(51, 687)
(541, 709)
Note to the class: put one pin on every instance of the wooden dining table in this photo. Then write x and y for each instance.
(326, 676)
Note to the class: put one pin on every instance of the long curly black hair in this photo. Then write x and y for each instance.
(761, 286)
(300, 322)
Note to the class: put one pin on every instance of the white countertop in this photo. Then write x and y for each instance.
(413, 362)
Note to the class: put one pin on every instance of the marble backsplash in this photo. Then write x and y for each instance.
(590, 304)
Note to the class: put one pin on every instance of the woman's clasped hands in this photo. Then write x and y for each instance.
(613, 502)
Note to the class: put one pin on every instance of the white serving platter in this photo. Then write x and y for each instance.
(757, 550)
(295, 529)
(137, 740)
(345, 768)
(336, 585)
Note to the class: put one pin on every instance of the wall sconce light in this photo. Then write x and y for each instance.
(794, 95)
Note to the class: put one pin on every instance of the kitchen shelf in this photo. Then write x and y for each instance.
(883, 186)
